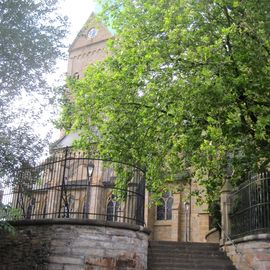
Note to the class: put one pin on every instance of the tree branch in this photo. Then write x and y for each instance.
(136, 104)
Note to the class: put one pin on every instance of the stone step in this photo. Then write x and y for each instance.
(184, 251)
(188, 259)
(171, 243)
(180, 260)
(165, 255)
(220, 267)
(183, 245)
(190, 265)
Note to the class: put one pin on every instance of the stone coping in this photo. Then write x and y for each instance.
(66, 221)
(253, 237)
(212, 231)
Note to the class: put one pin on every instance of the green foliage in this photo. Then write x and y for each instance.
(214, 210)
(185, 88)
(8, 213)
(31, 40)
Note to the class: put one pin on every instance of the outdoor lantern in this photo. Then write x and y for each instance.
(187, 205)
(90, 169)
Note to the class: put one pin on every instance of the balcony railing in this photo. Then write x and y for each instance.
(250, 207)
(73, 185)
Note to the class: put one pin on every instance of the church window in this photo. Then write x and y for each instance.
(110, 210)
(164, 207)
(113, 210)
(160, 209)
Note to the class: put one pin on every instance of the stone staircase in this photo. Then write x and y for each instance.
(165, 255)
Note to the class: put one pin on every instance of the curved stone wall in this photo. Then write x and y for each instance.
(74, 245)
(250, 252)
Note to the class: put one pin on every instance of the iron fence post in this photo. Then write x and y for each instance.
(63, 182)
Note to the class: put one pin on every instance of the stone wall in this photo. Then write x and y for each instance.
(74, 245)
(252, 252)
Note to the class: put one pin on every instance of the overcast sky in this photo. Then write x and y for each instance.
(78, 12)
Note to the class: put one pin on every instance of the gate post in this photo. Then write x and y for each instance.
(225, 209)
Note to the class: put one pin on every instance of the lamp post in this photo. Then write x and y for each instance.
(90, 169)
(187, 209)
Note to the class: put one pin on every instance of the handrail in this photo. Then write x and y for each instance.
(235, 247)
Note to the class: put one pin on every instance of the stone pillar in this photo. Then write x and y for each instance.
(149, 213)
(225, 209)
(131, 203)
(175, 229)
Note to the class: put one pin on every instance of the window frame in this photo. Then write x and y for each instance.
(116, 209)
(165, 207)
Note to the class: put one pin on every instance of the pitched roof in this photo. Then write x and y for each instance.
(92, 32)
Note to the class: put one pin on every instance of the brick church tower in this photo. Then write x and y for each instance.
(88, 47)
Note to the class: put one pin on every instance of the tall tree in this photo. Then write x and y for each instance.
(31, 39)
(186, 89)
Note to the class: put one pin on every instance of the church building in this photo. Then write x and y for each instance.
(177, 217)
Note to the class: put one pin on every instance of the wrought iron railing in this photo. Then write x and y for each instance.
(250, 207)
(75, 186)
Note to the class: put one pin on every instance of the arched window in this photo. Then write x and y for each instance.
(113, 210)
(110, 210)
(164, 207)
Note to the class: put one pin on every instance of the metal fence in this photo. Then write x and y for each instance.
(250, 207)
(76, 186)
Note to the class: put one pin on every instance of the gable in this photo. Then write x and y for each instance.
(65, 141)
(88, 47)
(92, 32)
